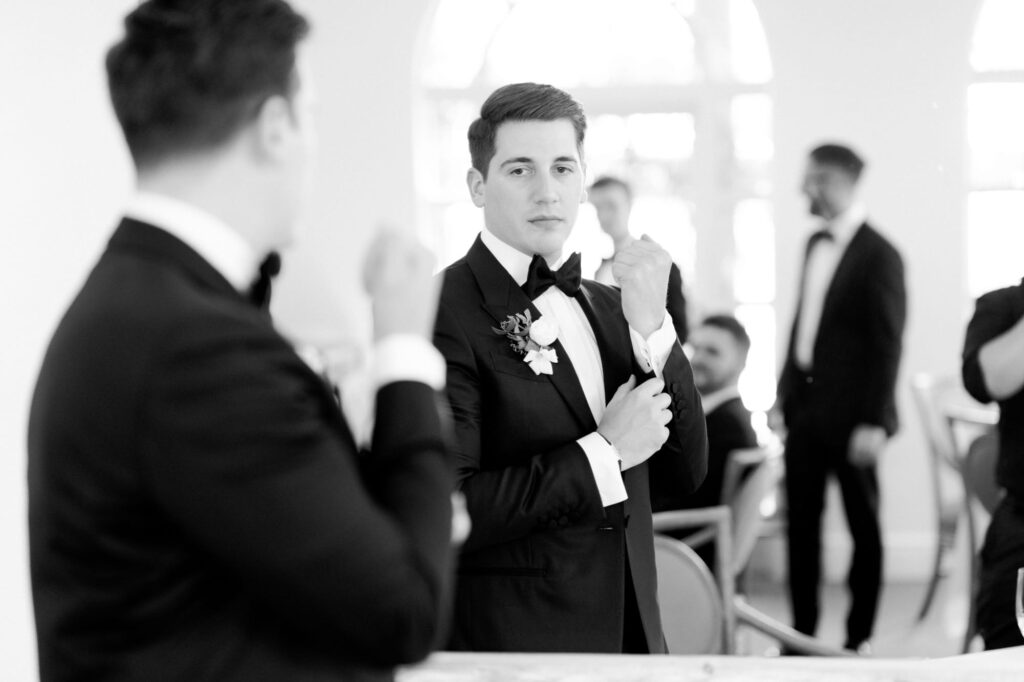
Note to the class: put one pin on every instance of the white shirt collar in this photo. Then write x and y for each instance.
(844, 225)
(515, 262)
(220, 245)
(712, 401)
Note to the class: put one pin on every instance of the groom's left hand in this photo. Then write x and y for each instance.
(642, 269)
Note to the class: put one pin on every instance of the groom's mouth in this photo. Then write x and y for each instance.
(546, 221)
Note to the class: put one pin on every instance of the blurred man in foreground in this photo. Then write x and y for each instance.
(198, 507)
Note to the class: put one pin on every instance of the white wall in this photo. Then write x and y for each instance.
(886, 76)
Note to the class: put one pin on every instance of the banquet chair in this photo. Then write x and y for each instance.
(735, 529)
(933, 397)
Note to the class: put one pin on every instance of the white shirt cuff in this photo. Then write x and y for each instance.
(605, 463)
(652, 353)
(407, 357)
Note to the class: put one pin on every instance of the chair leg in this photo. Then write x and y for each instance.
(946, 539)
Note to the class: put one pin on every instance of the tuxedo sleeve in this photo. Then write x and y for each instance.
(676, 303)
(680, 466)
(994, 315)
(886, 318)
(511, 502)
(246, 454)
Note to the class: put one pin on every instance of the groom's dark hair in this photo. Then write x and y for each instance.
(189, 74)
(521, 102)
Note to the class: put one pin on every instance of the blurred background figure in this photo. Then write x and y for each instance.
(993, 369)
(837, 388)
(613, 200)
(720, 346)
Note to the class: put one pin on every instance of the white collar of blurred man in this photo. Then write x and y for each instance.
(220, 245)
(718, 358)
(255, 184)
(533, 189)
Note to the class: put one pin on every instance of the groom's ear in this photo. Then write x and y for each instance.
(475, 182)
(584, 195)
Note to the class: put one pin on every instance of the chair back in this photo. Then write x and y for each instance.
(929, 391)
(692, 612)
(980, 470)
(748, 519)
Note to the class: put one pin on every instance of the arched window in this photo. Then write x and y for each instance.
(676, 97)
(995, 136)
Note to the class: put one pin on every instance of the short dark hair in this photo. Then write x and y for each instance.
(188, 74)
(521, 102)
(840, 156)
(611, 181)
(731, 325)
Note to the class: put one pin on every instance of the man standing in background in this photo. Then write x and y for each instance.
(837, 388)
(198, 509)
(613, 200)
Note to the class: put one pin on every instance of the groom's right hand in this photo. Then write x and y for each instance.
(398, 274)
(635, 420)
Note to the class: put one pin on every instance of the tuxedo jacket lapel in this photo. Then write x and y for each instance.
(503, 297)
(612, 340)
(845, 268)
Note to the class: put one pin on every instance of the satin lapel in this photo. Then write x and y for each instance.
(612, 339)
(844, 270)
(503, 297)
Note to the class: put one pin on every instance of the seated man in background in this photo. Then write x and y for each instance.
(197, 506)
(720, 346)
(993, 369)
(613, 200)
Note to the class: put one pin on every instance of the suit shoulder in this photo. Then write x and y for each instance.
(881, 244)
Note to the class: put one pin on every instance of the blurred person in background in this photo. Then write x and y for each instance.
(993, 369)
(837, 387)
(612, 198)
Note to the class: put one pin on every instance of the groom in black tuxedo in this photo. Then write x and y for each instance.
(198, 509)
(568, 398)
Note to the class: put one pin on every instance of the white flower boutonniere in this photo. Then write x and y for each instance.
(532, 339)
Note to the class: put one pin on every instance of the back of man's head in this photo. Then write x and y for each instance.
(521, 102)
(189, 74)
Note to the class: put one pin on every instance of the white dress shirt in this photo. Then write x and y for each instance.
(580, 344)
(821, 267)
(399, 357)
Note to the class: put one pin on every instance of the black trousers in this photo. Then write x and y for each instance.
(1001, 556)
(815, 451)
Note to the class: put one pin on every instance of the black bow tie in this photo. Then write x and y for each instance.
(540, 278)
(259, 293)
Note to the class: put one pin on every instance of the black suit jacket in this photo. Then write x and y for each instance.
(729, 429)
(544, 567)
(859, 342)
(197, 508)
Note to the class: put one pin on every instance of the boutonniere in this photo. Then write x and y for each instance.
(532, 339)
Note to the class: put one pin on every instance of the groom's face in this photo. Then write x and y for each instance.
(534, 187)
